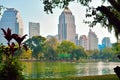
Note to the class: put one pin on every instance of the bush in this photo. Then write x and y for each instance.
(11, 70)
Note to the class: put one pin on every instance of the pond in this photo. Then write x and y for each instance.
(66, 69)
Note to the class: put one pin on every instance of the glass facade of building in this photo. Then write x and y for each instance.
(11, 19)
(106, 42)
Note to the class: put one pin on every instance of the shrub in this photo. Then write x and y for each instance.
(11, 68)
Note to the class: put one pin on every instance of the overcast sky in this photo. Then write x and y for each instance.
(33, 11)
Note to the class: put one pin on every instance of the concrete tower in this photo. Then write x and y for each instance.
(92, 41)
(34, 29)
(66, 26)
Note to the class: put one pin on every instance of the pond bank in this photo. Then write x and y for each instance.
(98, 77)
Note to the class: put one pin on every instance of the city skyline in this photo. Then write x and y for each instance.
(35, 13)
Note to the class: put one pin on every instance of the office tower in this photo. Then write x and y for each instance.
(34, 29)
(92, 41)
(66, 26)
(106, 42)
(11, 19)
(83, 41)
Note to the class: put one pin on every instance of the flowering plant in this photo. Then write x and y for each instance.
(11, 68)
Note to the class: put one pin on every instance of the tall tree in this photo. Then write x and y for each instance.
(78, 53)
(65, 49)
(36, 44)
(51, 49)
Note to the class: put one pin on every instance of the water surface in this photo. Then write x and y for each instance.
(66, 69)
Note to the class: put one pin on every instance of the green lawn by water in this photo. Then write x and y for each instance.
(100, 77)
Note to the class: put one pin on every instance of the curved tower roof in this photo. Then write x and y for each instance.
(67, 10)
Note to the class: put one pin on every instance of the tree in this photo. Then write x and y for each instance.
(26, 54)
(36, 44)
(78, 53)
(116, 48)
(65, 49)
(50, 50)
(107, 53)
(107, 15)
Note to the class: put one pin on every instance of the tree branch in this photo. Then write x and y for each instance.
(115, 5)
(113, 19)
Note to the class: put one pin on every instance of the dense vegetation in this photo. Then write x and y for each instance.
(10, 66)
(52, 50)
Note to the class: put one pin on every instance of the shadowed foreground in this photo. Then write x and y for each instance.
(99, 77)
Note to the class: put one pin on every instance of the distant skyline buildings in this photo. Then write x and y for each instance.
(66, 26)
(89, 42)
(92, 40)
(106, 42)
(83, 41)
(34, 29)
(11, 19)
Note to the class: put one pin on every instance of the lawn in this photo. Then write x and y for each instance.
(99, 77)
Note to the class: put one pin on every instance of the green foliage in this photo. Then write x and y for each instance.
(36, 44)
(116, 48)
(26, 54)
(1, 55)
(105, 54)
(50, 49)
(49, 5)
(11, 70)
(78, 53)
(66, 47)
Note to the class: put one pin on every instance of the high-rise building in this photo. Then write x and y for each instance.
(106, 42)
(66, 26)
(11, 19)
(83, 41)
(92, 41)
(34, 29)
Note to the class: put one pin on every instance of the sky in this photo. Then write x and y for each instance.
(33, 11)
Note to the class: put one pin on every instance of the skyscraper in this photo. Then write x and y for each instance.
(66, 26)
(11, 19)
(83, 41)
(92, 41)
(34, 29)
(106, 42)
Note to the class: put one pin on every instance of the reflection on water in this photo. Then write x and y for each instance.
(64, 69)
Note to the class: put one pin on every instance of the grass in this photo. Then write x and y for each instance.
(98, 77)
